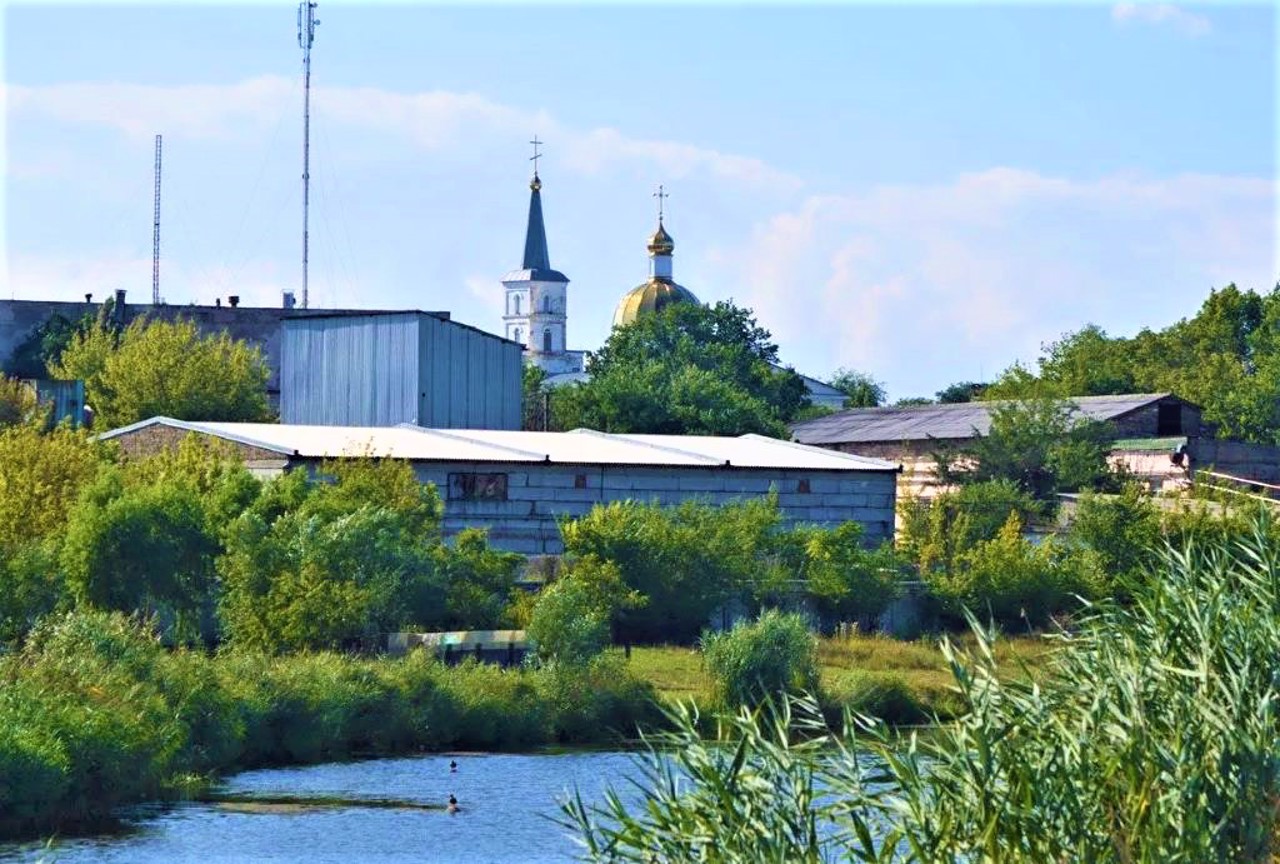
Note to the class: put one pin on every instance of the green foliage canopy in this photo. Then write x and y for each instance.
(1226, 359)
(686, 369)
(161, 368)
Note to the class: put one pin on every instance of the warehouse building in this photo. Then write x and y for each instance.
(518, 484)
(1148, 432)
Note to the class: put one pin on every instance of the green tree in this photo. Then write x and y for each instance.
(43, 346)
(1042, 445)
(963, 391)
(687, 369)
(141, 548)
(315, 565)
(533, 399)
(848, 581)
(479, 583)
(161, 368)
(41, 475)
(1225, 359)
(1123, 530)
(860, 389)
(572, 619)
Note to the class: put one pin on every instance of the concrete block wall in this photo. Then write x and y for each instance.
(1260, 462)
(538, 495)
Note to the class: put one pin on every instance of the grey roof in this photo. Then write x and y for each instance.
(956, 421)
(537, 262)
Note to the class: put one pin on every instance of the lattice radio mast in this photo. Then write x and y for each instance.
(307, 22)
(155, 236)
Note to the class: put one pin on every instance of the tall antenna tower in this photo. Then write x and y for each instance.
(307, 22)
(155, 236)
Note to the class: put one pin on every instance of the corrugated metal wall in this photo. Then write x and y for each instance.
(380, 370)
(470, 379)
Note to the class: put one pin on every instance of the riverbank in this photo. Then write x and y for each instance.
(95, 713)
(898, 681)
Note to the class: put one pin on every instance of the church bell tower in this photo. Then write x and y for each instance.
(536, 295)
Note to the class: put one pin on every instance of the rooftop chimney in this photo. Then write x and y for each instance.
(88, 298)
(289, 301)
(234, 300)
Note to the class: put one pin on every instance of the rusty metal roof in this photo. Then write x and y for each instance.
(945, 422)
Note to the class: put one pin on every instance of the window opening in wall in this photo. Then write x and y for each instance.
(546, 341)
(580, 481)
(478, 487)
(517, 336)
(1168, 419)
(517, 299)
(803, 486)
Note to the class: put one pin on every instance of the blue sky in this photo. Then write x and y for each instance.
(925, 193)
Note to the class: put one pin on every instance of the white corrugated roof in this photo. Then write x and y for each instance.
(581, 446)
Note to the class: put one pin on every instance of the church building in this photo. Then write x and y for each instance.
(536, 310)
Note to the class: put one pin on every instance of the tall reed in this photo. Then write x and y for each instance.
(1152, 738)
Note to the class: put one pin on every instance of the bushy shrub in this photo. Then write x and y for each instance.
(1014, 581)
(1123, 531)
(884, 696)
(572, 619)
(847, 581)
(764, 659)
(935, 533)
(685, 560)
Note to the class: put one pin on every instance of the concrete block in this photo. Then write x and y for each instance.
(707, 482)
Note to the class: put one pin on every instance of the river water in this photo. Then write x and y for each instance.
(506, 801)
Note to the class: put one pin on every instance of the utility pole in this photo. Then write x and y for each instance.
(307, 22)
(155, 236)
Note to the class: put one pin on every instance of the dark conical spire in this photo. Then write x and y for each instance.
(535, 238)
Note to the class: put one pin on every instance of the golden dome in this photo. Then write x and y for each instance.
(661, 243)
(650, 297)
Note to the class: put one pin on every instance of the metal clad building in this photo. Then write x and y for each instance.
(518, 484)
(385, 368)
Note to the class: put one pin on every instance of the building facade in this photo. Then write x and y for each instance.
(517, 485)
(386, 368)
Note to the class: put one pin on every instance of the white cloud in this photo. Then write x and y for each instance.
(433, 120)
(1161, 13)
(966, 276)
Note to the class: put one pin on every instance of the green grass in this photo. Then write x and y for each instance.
(865, 672)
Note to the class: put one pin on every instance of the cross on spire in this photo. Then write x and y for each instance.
(536, 155)
(660, 195)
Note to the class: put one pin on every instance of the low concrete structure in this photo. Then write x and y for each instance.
(518, 484)
(504, 647)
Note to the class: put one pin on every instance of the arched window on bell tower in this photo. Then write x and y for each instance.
(518, 335)
(546, 341)
(517, 301)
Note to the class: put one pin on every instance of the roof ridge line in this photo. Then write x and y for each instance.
(440, 433)
(710, 460)
(810, 448)
(196, 426)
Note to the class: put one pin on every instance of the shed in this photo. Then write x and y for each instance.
(518, 484)
(384, 368)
